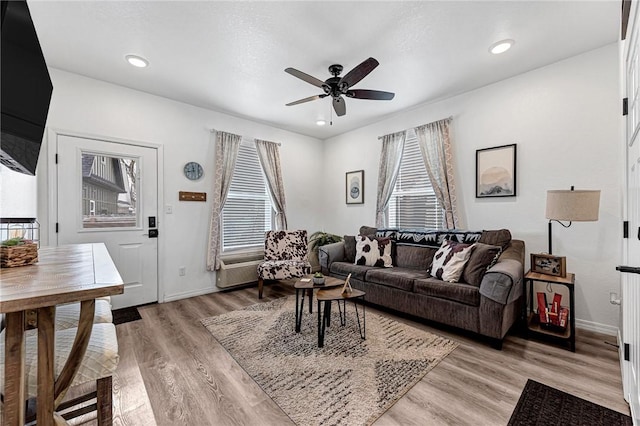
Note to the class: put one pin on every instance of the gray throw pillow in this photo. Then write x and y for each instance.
(483, 257)
(350, 248)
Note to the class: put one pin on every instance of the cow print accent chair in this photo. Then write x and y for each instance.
(285, 256)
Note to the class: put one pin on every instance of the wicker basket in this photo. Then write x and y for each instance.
(11, 256)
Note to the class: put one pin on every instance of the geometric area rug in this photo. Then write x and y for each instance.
(543, 405)
(349, 381)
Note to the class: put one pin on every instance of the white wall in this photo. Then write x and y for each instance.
(566, 120)
(85, 105)
(17, 194)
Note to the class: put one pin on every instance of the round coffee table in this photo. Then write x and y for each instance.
(324, 315)
(308, 286)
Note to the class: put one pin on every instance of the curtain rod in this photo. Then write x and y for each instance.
(411, 128)
(212, 130)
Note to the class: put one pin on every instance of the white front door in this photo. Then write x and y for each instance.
(630, 285)
(108, 192)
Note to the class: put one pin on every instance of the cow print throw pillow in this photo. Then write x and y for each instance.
(372, 251)
(449, 260)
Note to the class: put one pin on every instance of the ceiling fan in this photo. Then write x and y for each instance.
(337, 86)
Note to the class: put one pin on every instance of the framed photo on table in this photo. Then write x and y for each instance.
(354, 187)
(549, 265)
(496, 171)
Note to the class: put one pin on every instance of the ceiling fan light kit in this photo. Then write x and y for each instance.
(337, 86)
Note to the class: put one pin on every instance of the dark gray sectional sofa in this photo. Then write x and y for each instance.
(489, 306)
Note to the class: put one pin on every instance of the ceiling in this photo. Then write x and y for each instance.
(230, 56)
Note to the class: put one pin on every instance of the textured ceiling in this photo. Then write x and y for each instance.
(231, 56)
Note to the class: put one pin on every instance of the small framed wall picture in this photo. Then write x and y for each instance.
(548, 264)
(496, 172)
(354, 185)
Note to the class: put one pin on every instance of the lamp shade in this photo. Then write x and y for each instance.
(575, 206)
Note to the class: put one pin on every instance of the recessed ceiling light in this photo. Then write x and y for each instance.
(321, 122)
(501, 46)
(137, 61)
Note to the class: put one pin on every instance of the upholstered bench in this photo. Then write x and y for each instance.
(99, 362)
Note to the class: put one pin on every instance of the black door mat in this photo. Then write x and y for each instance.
(543, 405)
(120, 316)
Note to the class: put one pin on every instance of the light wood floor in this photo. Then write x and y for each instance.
(173, 372)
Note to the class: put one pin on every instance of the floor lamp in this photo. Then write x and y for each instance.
(573, 206)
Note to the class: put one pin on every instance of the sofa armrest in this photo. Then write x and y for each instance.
(330, 253)
(502, 283)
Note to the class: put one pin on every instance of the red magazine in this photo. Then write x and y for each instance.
(564, 316)
(542, 308)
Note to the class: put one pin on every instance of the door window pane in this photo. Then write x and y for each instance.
(109, 191)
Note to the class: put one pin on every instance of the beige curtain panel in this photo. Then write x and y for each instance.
(392, 146)
(269, 155)
(226, 152)
(435, 144)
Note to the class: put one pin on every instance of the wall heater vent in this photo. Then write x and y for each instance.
(238, 270)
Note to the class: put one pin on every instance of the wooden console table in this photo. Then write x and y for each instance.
(28, 297)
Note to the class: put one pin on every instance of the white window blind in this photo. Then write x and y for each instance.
(413, 203)
(246, 214)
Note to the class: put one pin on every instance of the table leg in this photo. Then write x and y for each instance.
(14, 370)
(310, 300)
(343, 312)
(299, 307)
(572, 320)
(78, 349)
(363, 329)
(320, 326)
(46, 366)
(327, 314)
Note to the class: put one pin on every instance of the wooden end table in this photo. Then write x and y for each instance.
(324, 315)
(531, 322)
(308, 286)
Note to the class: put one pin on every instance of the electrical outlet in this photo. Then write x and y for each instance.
(613, 298)
(182, 271)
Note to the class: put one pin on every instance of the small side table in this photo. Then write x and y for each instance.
(303, 287)
(531, 321)
(324, 311)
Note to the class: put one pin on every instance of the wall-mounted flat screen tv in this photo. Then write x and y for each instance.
(26, 89)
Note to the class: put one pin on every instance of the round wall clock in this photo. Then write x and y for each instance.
(193, 170)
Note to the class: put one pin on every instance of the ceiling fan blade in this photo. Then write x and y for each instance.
(359, 72)
(370, 94)
(339, 106)
(310, 98)
(306, 77)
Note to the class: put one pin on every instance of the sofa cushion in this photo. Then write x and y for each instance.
(368, 231)
(499, 237)
(401, 278)
(414, 257)
(458, 292)
(482, 258)
(343, 268)
(449, 261)
(373, 251)
(350, 248)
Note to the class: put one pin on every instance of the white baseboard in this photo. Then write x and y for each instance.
(187, 294)
(597, 327)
